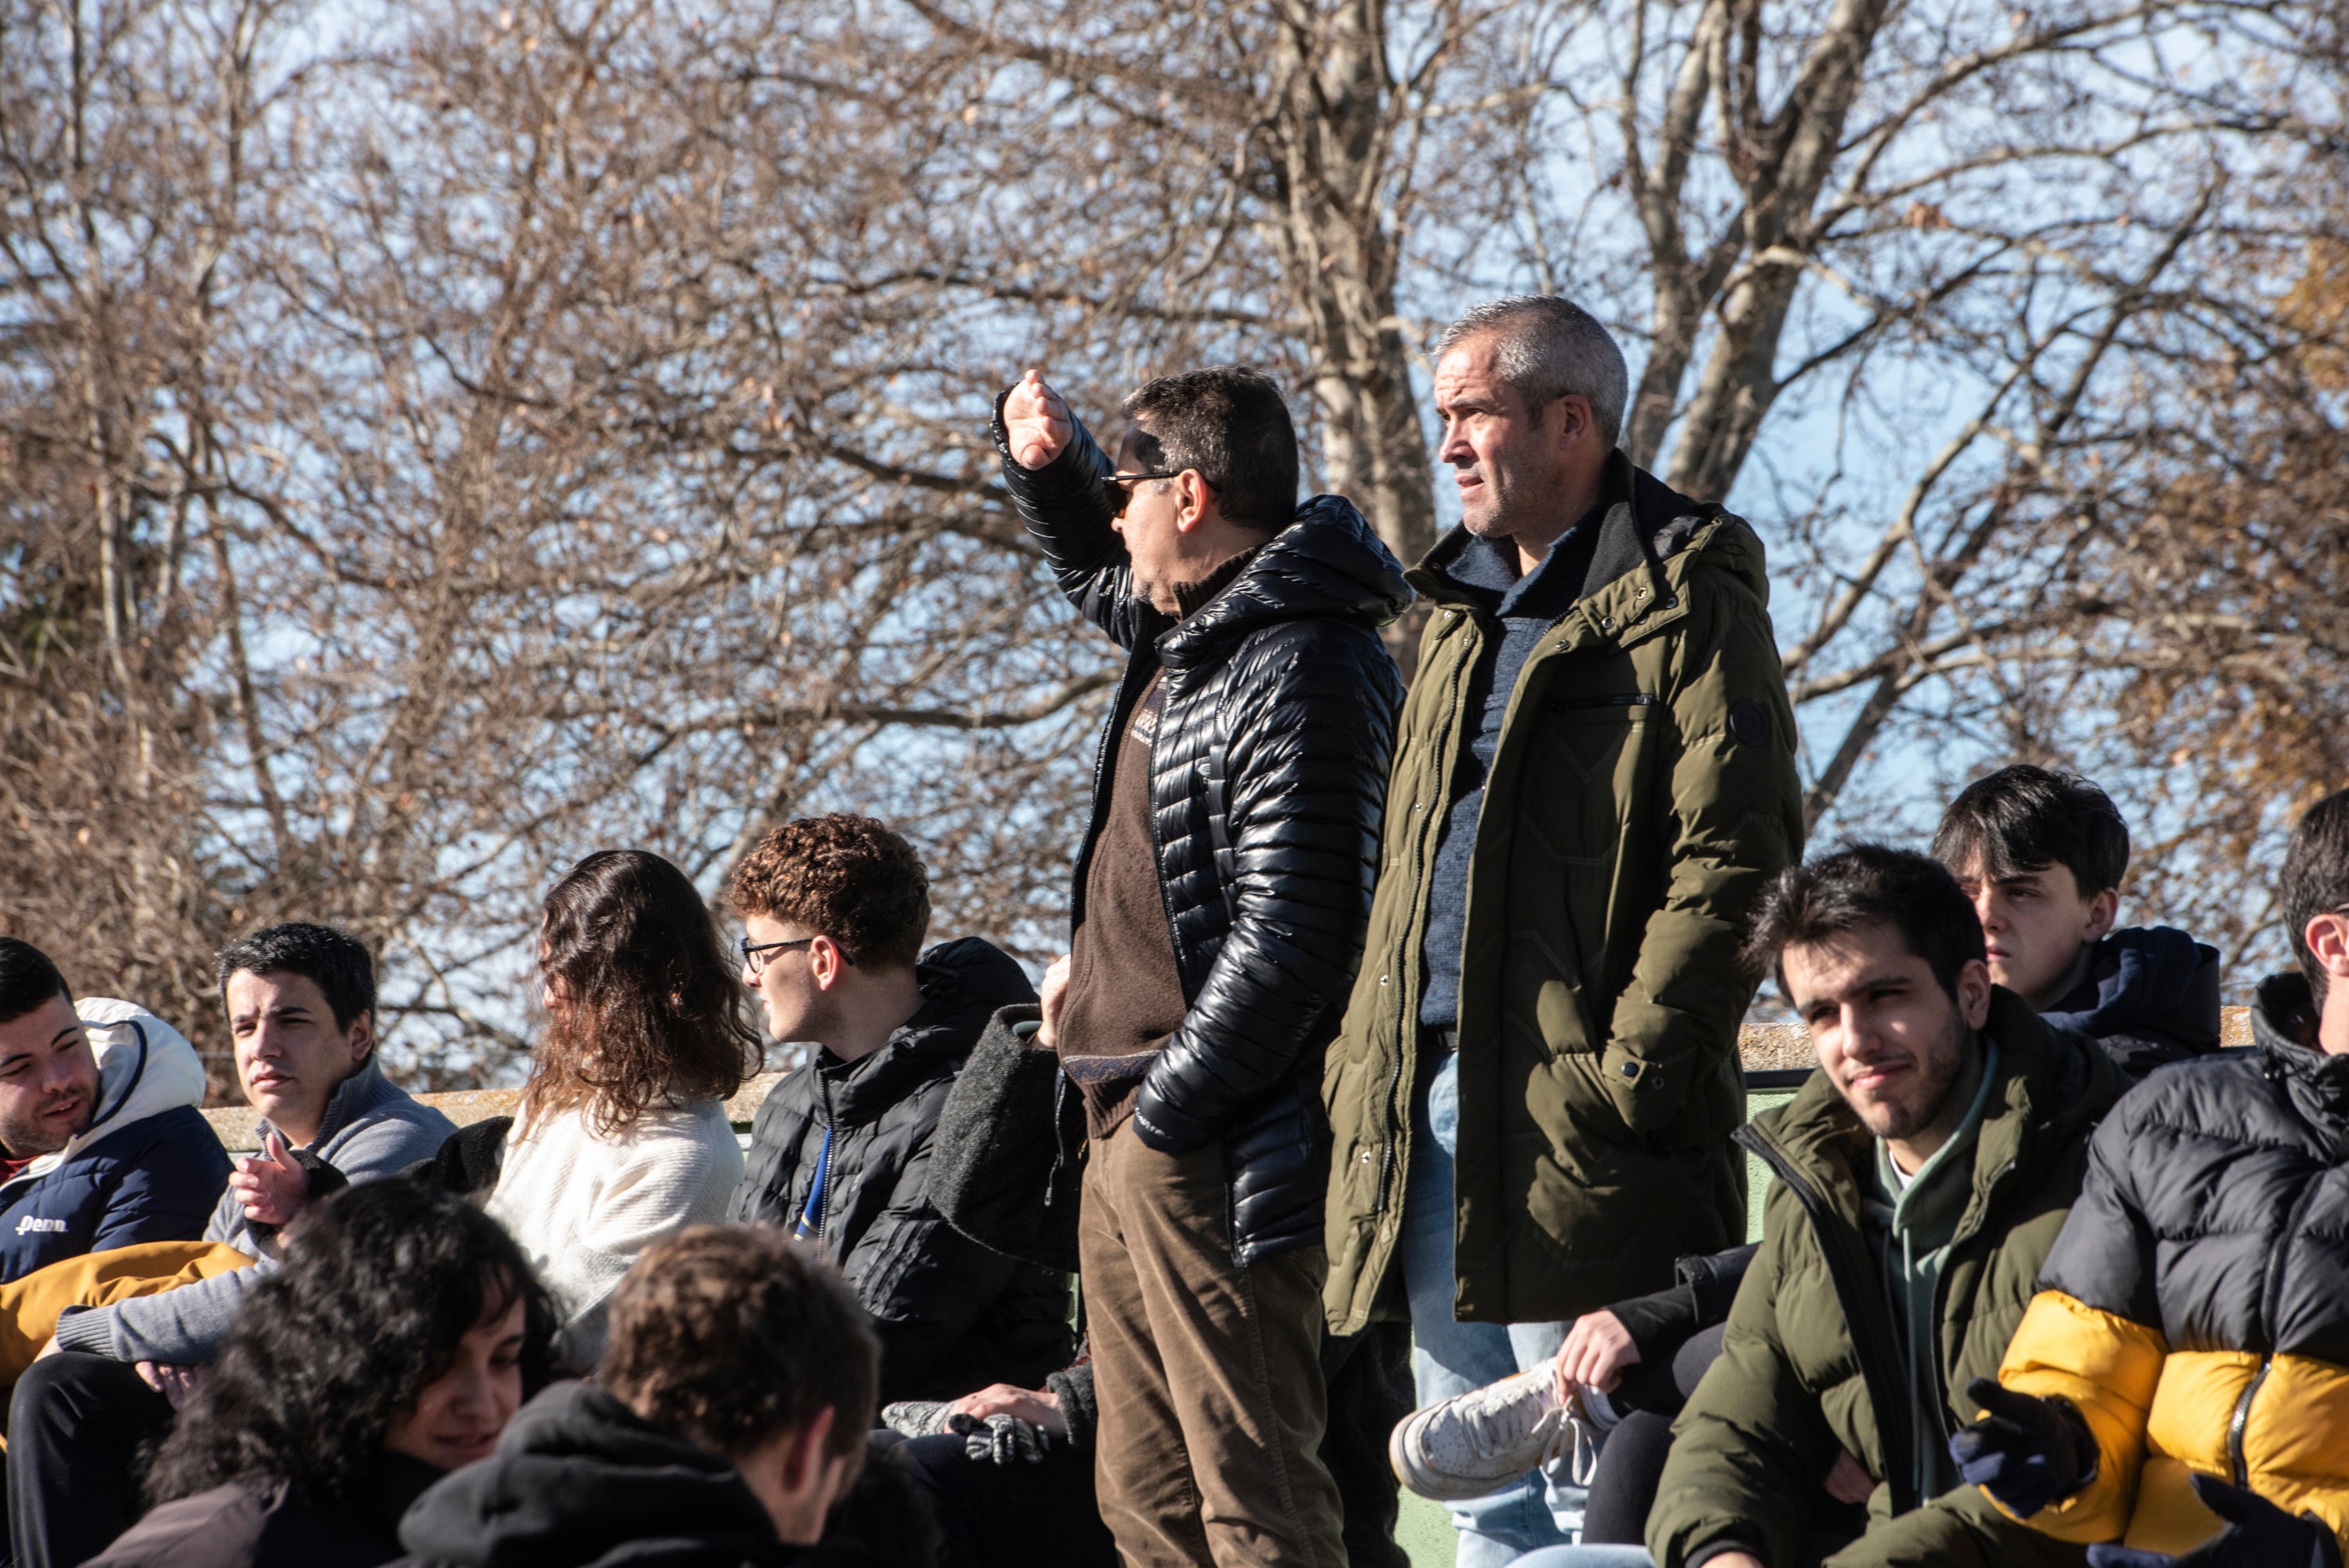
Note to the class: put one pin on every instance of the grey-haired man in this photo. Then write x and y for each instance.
(1536, 1081)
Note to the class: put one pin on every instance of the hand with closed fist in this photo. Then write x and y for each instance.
(2259, 1534)
(2025, 1451)
(1037, 421)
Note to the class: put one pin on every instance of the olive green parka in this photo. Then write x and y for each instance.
(1641, 793)
(1812, 1353)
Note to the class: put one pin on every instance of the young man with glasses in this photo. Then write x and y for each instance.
(835, 909)
(1221, 893)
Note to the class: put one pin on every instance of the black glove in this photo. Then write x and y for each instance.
(2025, 1451)
(2259, 1534)
(1000, 1439)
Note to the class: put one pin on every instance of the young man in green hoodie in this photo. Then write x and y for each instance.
(1922, 1174)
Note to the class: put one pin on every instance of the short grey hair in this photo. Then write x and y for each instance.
(1550, 347)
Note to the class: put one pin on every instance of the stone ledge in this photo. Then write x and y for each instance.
(233, 1124)
(1761, 1047)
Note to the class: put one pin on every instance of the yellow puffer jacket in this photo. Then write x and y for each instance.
(2195, 1307)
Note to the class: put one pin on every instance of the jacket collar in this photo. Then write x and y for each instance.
(355, 1098)
(962, 983)
(1631, 583)
(1328, 564)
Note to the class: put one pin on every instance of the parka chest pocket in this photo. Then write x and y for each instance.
(1590, 762)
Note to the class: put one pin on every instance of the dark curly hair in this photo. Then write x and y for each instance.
(381, 1283)
(730, 1334)
(653, 1012)
(848, 877)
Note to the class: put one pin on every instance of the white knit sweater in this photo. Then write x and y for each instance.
(583, 1206)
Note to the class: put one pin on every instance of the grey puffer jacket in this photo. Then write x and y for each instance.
(1268, 785)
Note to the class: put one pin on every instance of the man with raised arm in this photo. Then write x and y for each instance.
(1219, 907)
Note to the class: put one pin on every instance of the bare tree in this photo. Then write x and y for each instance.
(445, 438)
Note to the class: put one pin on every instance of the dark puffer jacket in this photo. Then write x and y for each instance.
(2195, 1307)
(953, 1316)
(1268, 781)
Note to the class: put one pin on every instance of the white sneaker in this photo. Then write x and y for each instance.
(1480, 1441)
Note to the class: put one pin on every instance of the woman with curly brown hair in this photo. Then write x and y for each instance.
(398, 1341)
(622, 1138)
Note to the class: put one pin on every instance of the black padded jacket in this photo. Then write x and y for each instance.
(2195, 1307)
(953, 1316)
(1268, 781)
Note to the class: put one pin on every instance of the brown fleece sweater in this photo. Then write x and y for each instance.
(1125, 996)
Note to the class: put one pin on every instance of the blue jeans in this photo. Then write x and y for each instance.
(1450, 1358)
(1588, 1557)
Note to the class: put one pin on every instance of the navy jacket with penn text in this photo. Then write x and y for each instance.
(147, 1168)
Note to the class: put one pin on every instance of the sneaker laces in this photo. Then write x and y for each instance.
(1575, 1440)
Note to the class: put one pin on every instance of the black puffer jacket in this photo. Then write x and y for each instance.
(1268, 782)
(953, 1316)
(2203, 1277)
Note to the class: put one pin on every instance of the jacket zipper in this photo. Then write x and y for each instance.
(823, 1214)
(1942, 1285)
(1399, 1116)
(2242, 1418)
(1868, 1331)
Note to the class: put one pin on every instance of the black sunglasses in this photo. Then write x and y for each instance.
(1121, 487)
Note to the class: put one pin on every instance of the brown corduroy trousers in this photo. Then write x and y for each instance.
(1207, 1377)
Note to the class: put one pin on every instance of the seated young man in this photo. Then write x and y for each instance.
(729, 1412)
(2178, 1391)
(2040, 854)
(101, 1145)
(835, 909)
(301, 1008)
(1922, 1174)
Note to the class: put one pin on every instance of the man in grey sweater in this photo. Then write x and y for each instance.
(301, 1005)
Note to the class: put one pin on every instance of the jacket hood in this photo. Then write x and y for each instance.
(2283, 1028)
(1650, 527)
(579, 1479)
(2146, 980)
(2051, 1086)
(145, 1067)
(1328, 563)
(963, 983)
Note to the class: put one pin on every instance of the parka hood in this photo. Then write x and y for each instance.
(579, 1479)
(963, 983)
(2155, 984)
(145, 1067)
(1330, 563)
